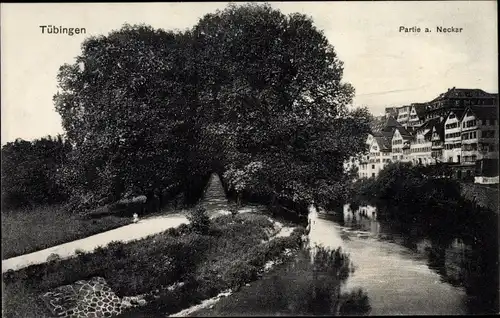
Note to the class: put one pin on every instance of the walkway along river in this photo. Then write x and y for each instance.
(407, 273)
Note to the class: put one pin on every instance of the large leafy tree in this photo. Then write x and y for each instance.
(274, 102)
(125, 105)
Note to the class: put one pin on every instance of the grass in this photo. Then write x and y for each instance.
(296, 288)
(29, 230)
(226, 256)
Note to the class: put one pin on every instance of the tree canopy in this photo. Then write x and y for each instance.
(249, 92)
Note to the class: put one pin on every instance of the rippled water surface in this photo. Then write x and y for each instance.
(401, 273)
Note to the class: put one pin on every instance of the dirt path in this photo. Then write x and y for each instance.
(214, 201)
(124, 234)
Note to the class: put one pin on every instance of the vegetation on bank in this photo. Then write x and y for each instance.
(423, 192)
(299, 287)
(226, 254)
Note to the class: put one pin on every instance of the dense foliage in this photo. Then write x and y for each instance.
(248, 92)
(30, 171)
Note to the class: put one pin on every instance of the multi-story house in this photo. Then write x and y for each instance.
(400, 141)
(421, 147)
(453, 136)
(378, 156)
(459, 127)
(417, 114)
(479, 134)
(437, 140)
(458, 98)
(380, 148)
(403, 115)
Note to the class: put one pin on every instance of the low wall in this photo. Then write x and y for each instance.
(485, 196)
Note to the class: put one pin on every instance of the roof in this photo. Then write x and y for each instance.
(404, 132)
(483, 112)
(420, 109)
(464, 93)
(457, 111)
(439, 126)
(383, 142)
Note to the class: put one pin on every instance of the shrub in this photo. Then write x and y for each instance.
(200, 221)
(234, 210)
(239, 273)
(53, 257)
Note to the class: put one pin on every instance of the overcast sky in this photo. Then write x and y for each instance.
(386, 67)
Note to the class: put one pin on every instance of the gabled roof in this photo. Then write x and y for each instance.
(483, 112)
(404, 132)
(439, 127)
(383, 142)
(457, 111)
(420, 109)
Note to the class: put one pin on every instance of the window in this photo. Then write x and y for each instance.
(373, 174)
(373, 166)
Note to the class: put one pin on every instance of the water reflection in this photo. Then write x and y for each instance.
(464, 265)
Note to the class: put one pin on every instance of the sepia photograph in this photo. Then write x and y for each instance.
(191, 159)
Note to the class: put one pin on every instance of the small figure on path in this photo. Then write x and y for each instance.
(135, 218)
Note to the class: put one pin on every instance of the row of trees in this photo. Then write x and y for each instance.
(250, 93)
(30, 171)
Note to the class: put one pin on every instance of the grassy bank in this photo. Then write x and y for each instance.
(298, 287)
(29, 230)
(225, 255)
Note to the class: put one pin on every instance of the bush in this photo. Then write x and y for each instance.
(199, 220)
(240, 273)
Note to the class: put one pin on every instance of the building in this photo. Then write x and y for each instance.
(401, 141)
(437, 140)
(453, 136)
(421, 146)
(417, 114)
(458, 98)
(479, 132)
(391, 112)
(379, 144)
(404, 115)
(378, 156)
(458, 127)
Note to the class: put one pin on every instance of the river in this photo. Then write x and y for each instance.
(405, 270)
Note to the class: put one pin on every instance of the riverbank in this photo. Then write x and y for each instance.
(296, 287)
(227, 256)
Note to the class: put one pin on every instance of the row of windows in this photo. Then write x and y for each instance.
(365, 175)
(451, 126)
(469, 147)
(452, 146)
(469, 123)
(452, 135)
(487, 134)
(424, 149)
(397, 141)
(470, 158)
(469, 135)
(487, 122)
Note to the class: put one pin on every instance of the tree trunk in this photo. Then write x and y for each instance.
(238, 199)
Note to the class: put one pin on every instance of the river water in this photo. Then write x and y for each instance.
(407, 271)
